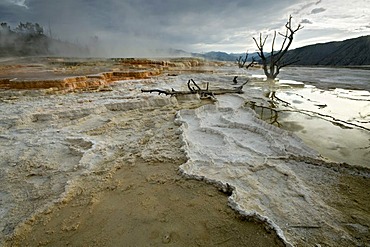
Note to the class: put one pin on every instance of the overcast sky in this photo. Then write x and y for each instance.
(129, 26)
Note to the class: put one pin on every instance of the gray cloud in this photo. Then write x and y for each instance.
(306, 21)
(317, 10)
(125, 27)
(306, 6)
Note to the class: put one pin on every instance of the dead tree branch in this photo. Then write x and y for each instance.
(241, 62)
(195, 89)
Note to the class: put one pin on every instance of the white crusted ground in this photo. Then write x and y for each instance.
(49, 141)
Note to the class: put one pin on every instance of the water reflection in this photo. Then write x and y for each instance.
(268, 114)
(334, 122)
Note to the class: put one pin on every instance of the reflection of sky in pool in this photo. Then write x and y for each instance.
(335, 122)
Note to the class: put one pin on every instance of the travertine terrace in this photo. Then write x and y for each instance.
(68, 74)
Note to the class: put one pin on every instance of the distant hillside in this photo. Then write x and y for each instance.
(341, 53)
(216, 55)
(223, 56)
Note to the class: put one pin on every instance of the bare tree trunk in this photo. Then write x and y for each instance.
(272, 68)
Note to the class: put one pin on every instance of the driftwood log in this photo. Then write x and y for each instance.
(195, 89)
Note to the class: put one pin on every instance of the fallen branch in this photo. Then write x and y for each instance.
(195, 89)
(159, 91)
(273, 96)
(275, 112)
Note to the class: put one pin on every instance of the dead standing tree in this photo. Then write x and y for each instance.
(272, 67)
(242, 61)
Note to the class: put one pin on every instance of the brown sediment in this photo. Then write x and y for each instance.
(146, 204)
